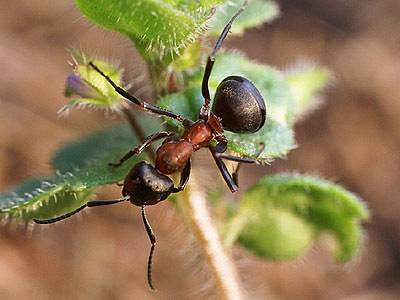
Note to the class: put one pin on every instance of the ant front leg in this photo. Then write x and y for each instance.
(184, 178)
(139, 149)
(88, 204)
(205, 109)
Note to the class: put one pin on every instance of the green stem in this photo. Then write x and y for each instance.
(194, 208)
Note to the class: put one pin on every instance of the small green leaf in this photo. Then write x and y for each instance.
(306, 81)
(256, 13)
(160, 29)
(87, 87)
(276, 135)
(280, 216)
(285, 235)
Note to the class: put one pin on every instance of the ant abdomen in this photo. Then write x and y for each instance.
(146, 186)
(239, 105)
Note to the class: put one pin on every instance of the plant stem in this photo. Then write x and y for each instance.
(194, 208)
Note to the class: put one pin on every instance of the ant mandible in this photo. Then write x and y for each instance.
(238, 107)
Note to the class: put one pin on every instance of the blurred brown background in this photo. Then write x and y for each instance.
(354, 139)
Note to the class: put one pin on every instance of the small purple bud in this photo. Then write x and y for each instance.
(76, 86)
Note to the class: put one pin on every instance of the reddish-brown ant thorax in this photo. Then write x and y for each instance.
(171, 157)
(199, 134)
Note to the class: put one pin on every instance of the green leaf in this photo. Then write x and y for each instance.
(285, 235)
(87, 88)
(83, 166)
(160, 29)
(306, 82)
(87, 159)
(277, 135)
(42, 199)
(279, 217)
(256, 13)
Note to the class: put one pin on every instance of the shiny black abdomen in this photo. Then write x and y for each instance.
(239, 105)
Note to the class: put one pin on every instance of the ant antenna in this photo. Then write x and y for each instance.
(88, 204)
(152, 239)
(205, 109)
(228, 26)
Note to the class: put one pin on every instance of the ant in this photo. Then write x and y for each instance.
(238, 107)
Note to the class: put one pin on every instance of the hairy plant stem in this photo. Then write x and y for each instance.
(194, 207)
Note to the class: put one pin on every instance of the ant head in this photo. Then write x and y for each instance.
(146, 186)
(239, 105)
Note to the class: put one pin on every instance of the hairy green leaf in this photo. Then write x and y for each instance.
(160, 29)
(88, 158)
(42, 199)
(256, 13)
(280, 216)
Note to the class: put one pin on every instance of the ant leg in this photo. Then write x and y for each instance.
(184, 178)
(224, 171)
(235, 174)
(152, 239)
(147, 142)
(143, 104)
(240, 160)
(205, 109)
(221, 147)
(89, 204)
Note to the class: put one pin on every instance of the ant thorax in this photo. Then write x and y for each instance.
(199, 134)
(172, 156)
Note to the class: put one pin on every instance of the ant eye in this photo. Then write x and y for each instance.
(239, 105)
